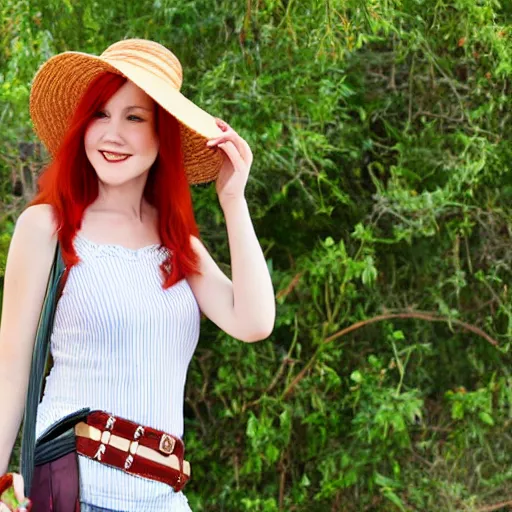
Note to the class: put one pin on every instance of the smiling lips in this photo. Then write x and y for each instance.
(114, 157)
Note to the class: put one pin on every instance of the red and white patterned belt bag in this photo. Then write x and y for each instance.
(133, 448)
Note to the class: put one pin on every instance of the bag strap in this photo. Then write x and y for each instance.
(37, 370)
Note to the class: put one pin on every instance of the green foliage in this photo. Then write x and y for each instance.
(381, 193)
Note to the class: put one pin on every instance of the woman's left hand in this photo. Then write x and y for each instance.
(234, 172)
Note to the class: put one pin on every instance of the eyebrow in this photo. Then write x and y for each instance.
(137, 106)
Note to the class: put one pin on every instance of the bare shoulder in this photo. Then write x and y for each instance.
(208, 269)
(30, 256)
(196, 244)
(38, 220)
(206, 262)
(34, 240)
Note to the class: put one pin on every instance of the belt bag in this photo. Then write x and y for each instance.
(110, 440)
(133, 448)
(117, 442)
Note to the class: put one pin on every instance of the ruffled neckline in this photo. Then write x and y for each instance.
(100, 250)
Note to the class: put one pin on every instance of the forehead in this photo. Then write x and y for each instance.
(130, 94)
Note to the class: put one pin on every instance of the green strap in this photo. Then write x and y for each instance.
(37, 370)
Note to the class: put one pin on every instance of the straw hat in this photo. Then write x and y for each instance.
(60, 83)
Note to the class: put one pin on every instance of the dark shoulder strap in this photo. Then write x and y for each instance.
(37, 370)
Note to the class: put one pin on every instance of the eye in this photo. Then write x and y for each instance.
(135, 118)
(100, 114)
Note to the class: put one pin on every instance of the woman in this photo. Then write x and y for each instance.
(126, 145)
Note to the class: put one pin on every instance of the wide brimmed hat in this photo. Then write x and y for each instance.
(61, 82)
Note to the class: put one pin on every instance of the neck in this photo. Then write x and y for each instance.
(126, 200)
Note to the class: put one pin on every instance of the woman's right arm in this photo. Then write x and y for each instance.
(29, 262)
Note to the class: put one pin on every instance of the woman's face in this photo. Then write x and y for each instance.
(121, 141)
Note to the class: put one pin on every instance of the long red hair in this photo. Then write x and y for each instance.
(70, 184)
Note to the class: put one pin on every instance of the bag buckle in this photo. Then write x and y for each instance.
(167, 444)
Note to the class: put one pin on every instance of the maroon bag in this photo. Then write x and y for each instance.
(56, 482)
(55, 485)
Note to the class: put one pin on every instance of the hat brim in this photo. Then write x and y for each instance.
(61, 82)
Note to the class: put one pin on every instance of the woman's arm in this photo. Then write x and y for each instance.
(28, 267)
(245, 306)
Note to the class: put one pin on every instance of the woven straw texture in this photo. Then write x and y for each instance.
(60, 83)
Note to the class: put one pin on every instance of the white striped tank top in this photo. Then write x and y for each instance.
(121, 344)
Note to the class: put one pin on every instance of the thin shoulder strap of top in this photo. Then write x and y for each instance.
(38, 366)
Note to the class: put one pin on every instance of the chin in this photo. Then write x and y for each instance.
(117, 176)
(114, 181)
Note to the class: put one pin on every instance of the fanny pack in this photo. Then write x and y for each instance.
(135, 449)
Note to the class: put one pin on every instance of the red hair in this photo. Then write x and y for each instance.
(70, 184)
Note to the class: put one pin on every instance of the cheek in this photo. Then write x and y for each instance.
(90, 137)
(148, 142)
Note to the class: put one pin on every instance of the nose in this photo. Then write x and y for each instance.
(113, 132)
